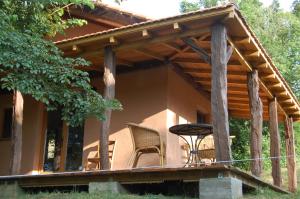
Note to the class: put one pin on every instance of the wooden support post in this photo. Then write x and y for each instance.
(219, 106)
(256, 114)
(290, 154)
(274, 142)
(16, 142)
(109, 93)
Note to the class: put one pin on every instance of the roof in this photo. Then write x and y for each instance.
(121, 11)
(162, 40)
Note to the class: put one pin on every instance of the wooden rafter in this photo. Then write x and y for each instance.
(244, 62)
(200, 51)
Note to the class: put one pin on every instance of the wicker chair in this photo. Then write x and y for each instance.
(145, 140)
(207, 154)
(94, 158)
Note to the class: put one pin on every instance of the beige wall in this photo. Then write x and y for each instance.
(31, 136)
(143, 97)
(5, 102)
(183, 102)
(157, 98)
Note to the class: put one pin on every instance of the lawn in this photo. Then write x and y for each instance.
(259, 194)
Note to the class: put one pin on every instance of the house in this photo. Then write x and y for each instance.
(182, 69)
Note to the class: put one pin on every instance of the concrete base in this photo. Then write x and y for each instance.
(220, 188)
(10, 190)
(114, 187)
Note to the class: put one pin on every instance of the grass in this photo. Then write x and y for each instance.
(259, 194)
(84, 195)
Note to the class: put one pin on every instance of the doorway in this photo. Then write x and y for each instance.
(63, 145)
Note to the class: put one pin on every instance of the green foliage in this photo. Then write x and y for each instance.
(296, 8)
(241, 143)
(240, 129)
(35, 66)
(186, 6)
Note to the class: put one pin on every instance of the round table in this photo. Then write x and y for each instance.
(200, 131)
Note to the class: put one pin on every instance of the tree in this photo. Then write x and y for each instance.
(187, 6)
(296, 8)
(33, 65)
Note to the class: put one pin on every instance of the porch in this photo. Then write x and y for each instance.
(207, 61)
(167, 181)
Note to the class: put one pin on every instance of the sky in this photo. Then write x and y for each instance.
(164, 8)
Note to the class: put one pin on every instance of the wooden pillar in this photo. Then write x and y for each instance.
(290, 154)
(274, 142)
(109, 93)
(16, 141)
(64, 148)
(219, 106)
(256, 115)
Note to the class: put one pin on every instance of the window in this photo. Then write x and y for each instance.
(200, 118)
(7, 123)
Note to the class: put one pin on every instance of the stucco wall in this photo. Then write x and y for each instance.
(183, 102)
(5, 102)
(143, 97)
(31, 136)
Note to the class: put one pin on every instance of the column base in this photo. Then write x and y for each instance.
(220, 188)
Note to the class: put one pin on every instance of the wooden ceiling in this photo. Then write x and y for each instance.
(165, 41)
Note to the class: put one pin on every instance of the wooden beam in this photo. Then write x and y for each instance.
(208, 71)
(245, 40)
(113, 41)
(274, 143)
(256, 116)
(252, 54)
(228, 17)
(16, 139)
(146, 34)
(172, 46)
(109, 94)
(201, 52)
(150, 54)
(204, 36)
(229, 81)
(250, 68)
(124, 62)
(290, 154)
(177, 27)
(219, 106)
(161, 39)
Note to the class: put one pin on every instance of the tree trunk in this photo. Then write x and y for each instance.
(109, 93)
(256, 114)
(274, 143)
(219, 106)
(16, 141)
(290, 154)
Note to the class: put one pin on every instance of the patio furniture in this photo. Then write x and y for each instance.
(145, 140)
(94, 158)
(196, 132)
(207, 154)
(206, 150)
